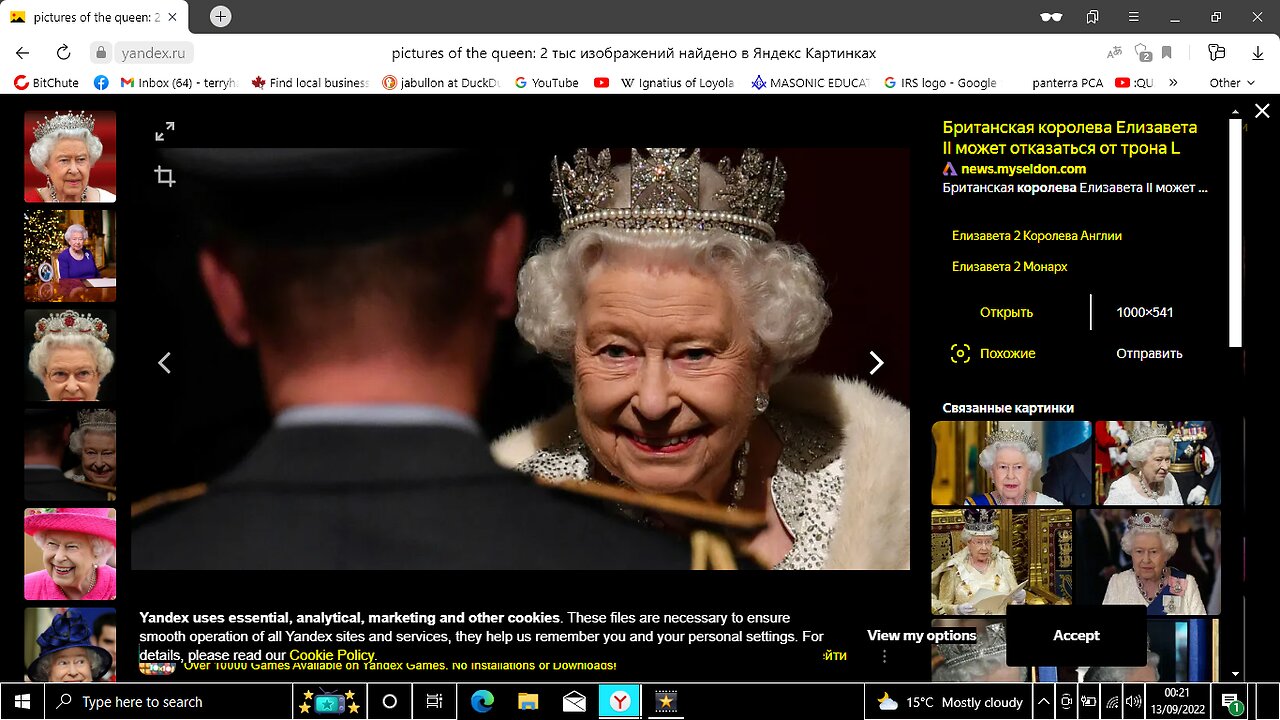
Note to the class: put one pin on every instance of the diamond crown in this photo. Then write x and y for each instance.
(70, 321)
(97, 419)
(982, 520)
(69, 121)
(990, 643)
(1011, 435)
(665, 191)
(1149, 521)
(1144, 431)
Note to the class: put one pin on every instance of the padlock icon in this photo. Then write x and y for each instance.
(101, 54)
(1144, 55)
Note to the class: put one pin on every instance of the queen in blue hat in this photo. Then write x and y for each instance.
(67, 653)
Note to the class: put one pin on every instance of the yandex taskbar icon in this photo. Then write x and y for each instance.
(620, 701)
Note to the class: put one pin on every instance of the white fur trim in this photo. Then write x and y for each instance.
(873, 530)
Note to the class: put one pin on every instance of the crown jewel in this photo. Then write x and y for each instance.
(97, 419)
(70, 321)
(665, 192)
(1149, 521)
(1011, 435)
(1144, 431)
(982, 521)
(78, 121)
(990, 643)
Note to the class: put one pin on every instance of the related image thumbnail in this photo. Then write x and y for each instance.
(986, 559)
(1012, 462)
(69, 255)
(69, 644)
(1168, 560)
(71, 354)
(1166, 462)
(71, 157)
(72, 554)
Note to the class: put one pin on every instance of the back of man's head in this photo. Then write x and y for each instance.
(45, 433)
(342, 253)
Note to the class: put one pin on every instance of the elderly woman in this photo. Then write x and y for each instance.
(65, 150)
(1010, 459)
(76, 263)
(94, 440)
(678, 314)
(77, 544)
(979, 570)
(67, 653)
(983, 661)
(1149, 541)
(70, 355)
(1149, 482)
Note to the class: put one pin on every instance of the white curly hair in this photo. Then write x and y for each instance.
(42, 148)
(987, 458)
(38, 360)
(1141, 452)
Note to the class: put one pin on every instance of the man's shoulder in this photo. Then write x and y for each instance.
(490, 519)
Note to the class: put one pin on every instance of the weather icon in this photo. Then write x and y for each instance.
(887, 703)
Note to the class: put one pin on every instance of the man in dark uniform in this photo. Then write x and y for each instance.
(44, 440)
(373, 330)
(1069, 477)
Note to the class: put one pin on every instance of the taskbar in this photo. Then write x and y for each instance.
(640, 701)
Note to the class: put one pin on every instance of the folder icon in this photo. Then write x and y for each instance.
(527, 701)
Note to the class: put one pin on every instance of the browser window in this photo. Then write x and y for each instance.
(443, 399)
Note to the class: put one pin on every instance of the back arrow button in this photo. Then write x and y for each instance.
(161, 364)
(22, 53)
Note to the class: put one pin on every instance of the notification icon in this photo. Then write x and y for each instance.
(1122, 82)
(602, 82)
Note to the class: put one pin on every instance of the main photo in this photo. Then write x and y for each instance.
(692, 385)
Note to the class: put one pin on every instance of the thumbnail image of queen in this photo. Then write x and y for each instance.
(69, 254)
(978, 571)
(989, 463)
(679, 315)
(75, 547)
(1150, 542)
(1164, 467)
(982, 661)
(64, 151)
(71, 355)
(67, 652)
(94, 442)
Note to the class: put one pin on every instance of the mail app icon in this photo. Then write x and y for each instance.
(574, 702)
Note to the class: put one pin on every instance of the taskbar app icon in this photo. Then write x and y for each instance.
(620, 701)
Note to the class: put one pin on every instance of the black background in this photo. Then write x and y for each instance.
(193, 424)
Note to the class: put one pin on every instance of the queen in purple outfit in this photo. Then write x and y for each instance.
(76, 263)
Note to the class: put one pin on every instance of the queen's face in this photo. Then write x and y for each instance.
(68, 558)
(1156, 467)
(68, 168)
(98, 457)
(665, 378)
(71, 665)
(75, 240)
(72, 374)
(1010, 472)
(980, 548)
(1148, 555)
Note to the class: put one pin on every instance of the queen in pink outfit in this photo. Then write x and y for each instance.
(76, 544)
